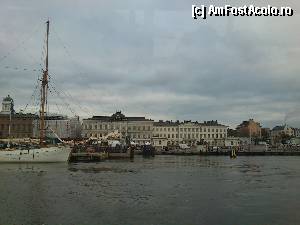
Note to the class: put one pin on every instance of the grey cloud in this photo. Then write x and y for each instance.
(151, 58)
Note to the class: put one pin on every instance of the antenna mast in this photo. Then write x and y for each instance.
(44, 90)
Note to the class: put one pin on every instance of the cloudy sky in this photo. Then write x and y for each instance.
(150, 58)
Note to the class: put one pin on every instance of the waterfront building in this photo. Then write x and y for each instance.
(62, 126)
(212, 132)
(188, 132)
(165, 133)
(12, 124)
(281, 133)
(139, 129)
(249, 128)
(18, 126)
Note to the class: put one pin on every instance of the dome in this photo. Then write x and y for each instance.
(8, 99)
(118, 116)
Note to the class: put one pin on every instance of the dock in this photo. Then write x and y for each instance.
(88, 157)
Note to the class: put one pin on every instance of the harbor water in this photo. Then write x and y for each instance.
(184, 190)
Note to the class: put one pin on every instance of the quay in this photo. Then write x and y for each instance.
(238, 153)
(99, 156)
(87, 156)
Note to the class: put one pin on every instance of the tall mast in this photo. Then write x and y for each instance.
(44, 89)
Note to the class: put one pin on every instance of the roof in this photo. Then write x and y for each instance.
(161, 123)
(20, 115)
(280, 127)
(118, 116)
(176, 123)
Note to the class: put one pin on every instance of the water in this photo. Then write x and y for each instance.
(165, 190)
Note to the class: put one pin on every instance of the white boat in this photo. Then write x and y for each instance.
(42, 152)
(39, 155)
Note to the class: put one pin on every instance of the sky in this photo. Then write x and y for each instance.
(151, 58)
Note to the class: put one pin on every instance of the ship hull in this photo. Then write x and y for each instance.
(41, 155)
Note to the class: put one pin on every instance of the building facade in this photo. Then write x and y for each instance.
(62, 126)
(188, 132)
(139, 129)
(12, 124)
(17, 126)
(249, 128)
(281, 133)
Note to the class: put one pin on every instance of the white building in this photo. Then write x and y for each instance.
(139, 129)
(279, 132)
(209, 132)
(62, 126)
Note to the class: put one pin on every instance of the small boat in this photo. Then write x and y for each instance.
(148, 150)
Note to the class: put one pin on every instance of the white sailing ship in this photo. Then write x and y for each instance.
(42, 155)
(41, 152)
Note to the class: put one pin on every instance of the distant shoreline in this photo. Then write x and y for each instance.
(245, 153)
